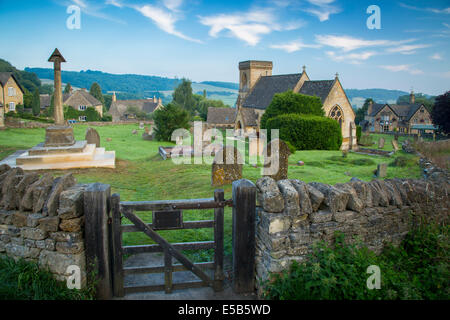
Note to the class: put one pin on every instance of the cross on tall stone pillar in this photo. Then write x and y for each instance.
(57, 59)
(58, 135)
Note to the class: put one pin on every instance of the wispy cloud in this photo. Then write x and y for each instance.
(91, 8)
(433, 10)
(173, 5)
(353, 58)
(436, 56)
(347, 43)
(407, 49)
(322, 9)
(293, 46)
(402, 68)
(164, 20)
(248, 26)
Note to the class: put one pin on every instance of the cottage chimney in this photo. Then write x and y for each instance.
(412, 98)
(114, 99)
(154, 99)
(304, 68)
(369, 109)
(159, 101)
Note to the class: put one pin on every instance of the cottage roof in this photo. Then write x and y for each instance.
(79, 98)
(45, 100)
(4, 77)
(401, 110)
(120, 107)
(221, 115)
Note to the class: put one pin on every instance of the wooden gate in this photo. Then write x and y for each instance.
(167, 215)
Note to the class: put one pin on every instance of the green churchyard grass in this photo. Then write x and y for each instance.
(141, 174)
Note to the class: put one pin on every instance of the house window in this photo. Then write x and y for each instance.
(82, 118)
(81, 108)
(422, 111)
(11, 91)
(386, 128)
(12, 106)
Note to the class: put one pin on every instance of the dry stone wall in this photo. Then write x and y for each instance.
(42, 220)
(293, 215)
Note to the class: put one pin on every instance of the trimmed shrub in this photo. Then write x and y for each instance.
(358, 133)
(289, 102)
(169, 119)
(307, 132)
(90, 113)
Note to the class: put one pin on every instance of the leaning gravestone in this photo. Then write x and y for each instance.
(382, 170)
(227, 166)
(92, 137)
(276, 163)
(381, 143)
(395, 145)
(141, 125)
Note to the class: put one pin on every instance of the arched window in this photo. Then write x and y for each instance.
(337, 114)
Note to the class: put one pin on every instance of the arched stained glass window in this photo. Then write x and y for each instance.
(337, 114)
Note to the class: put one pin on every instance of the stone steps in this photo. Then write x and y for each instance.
(86, 155)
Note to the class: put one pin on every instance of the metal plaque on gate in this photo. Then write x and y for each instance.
(163, 220)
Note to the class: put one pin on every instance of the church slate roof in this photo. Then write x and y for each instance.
(221, 115)
(267, 86)
(320, 88)
(249, 116)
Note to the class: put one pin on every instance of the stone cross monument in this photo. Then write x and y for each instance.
(58, 135)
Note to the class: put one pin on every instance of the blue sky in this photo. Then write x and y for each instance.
(205, 40)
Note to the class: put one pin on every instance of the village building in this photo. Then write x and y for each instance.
(123, 110)
(11, 93)
(257, 87)
(221, 118)
(79, 100)
(405, 118)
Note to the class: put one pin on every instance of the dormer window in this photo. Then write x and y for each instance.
(81, 108)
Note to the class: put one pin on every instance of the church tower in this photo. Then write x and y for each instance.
(249, 73)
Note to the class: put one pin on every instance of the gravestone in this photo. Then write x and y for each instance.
(147, 130)
(141, 125)
(366, 140)
(381, 170)
(381, 143)
(147, 136)
(92, 137)
(134, 132)
(395, 145)
(279, 158)
(226, 167)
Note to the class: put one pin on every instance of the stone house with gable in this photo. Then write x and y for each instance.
(120, 109)
(80, 100)
(11, 93)
(392, 117)
(257, 87)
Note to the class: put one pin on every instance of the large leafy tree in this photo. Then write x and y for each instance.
(441, 112)
(207, 103)
(292, 103)
(183, 96)
(96, 91)
(168, 119)
(68, 88)
(36, 105)
(360, 113)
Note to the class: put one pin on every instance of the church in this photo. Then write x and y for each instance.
(257, 86)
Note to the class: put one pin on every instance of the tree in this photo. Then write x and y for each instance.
(183, 97)
(27, 99)
(96, 92)
(36, 105)
(68, 88)
(441, 112)
(168, 119)
(46, 89)
(292, 103)
(361, 112)
(419, 98)
(207, 103)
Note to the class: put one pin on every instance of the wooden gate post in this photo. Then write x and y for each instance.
(117, 251)
(96, 210)
(244, 217)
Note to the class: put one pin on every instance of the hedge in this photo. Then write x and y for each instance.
(307, 132)
(290, 102)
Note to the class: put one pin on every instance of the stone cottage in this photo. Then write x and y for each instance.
(120, 109)
(221, 118)
(11, 94)
(257, 87)
(391, 117)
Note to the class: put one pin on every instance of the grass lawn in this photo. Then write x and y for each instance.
(141, 174)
